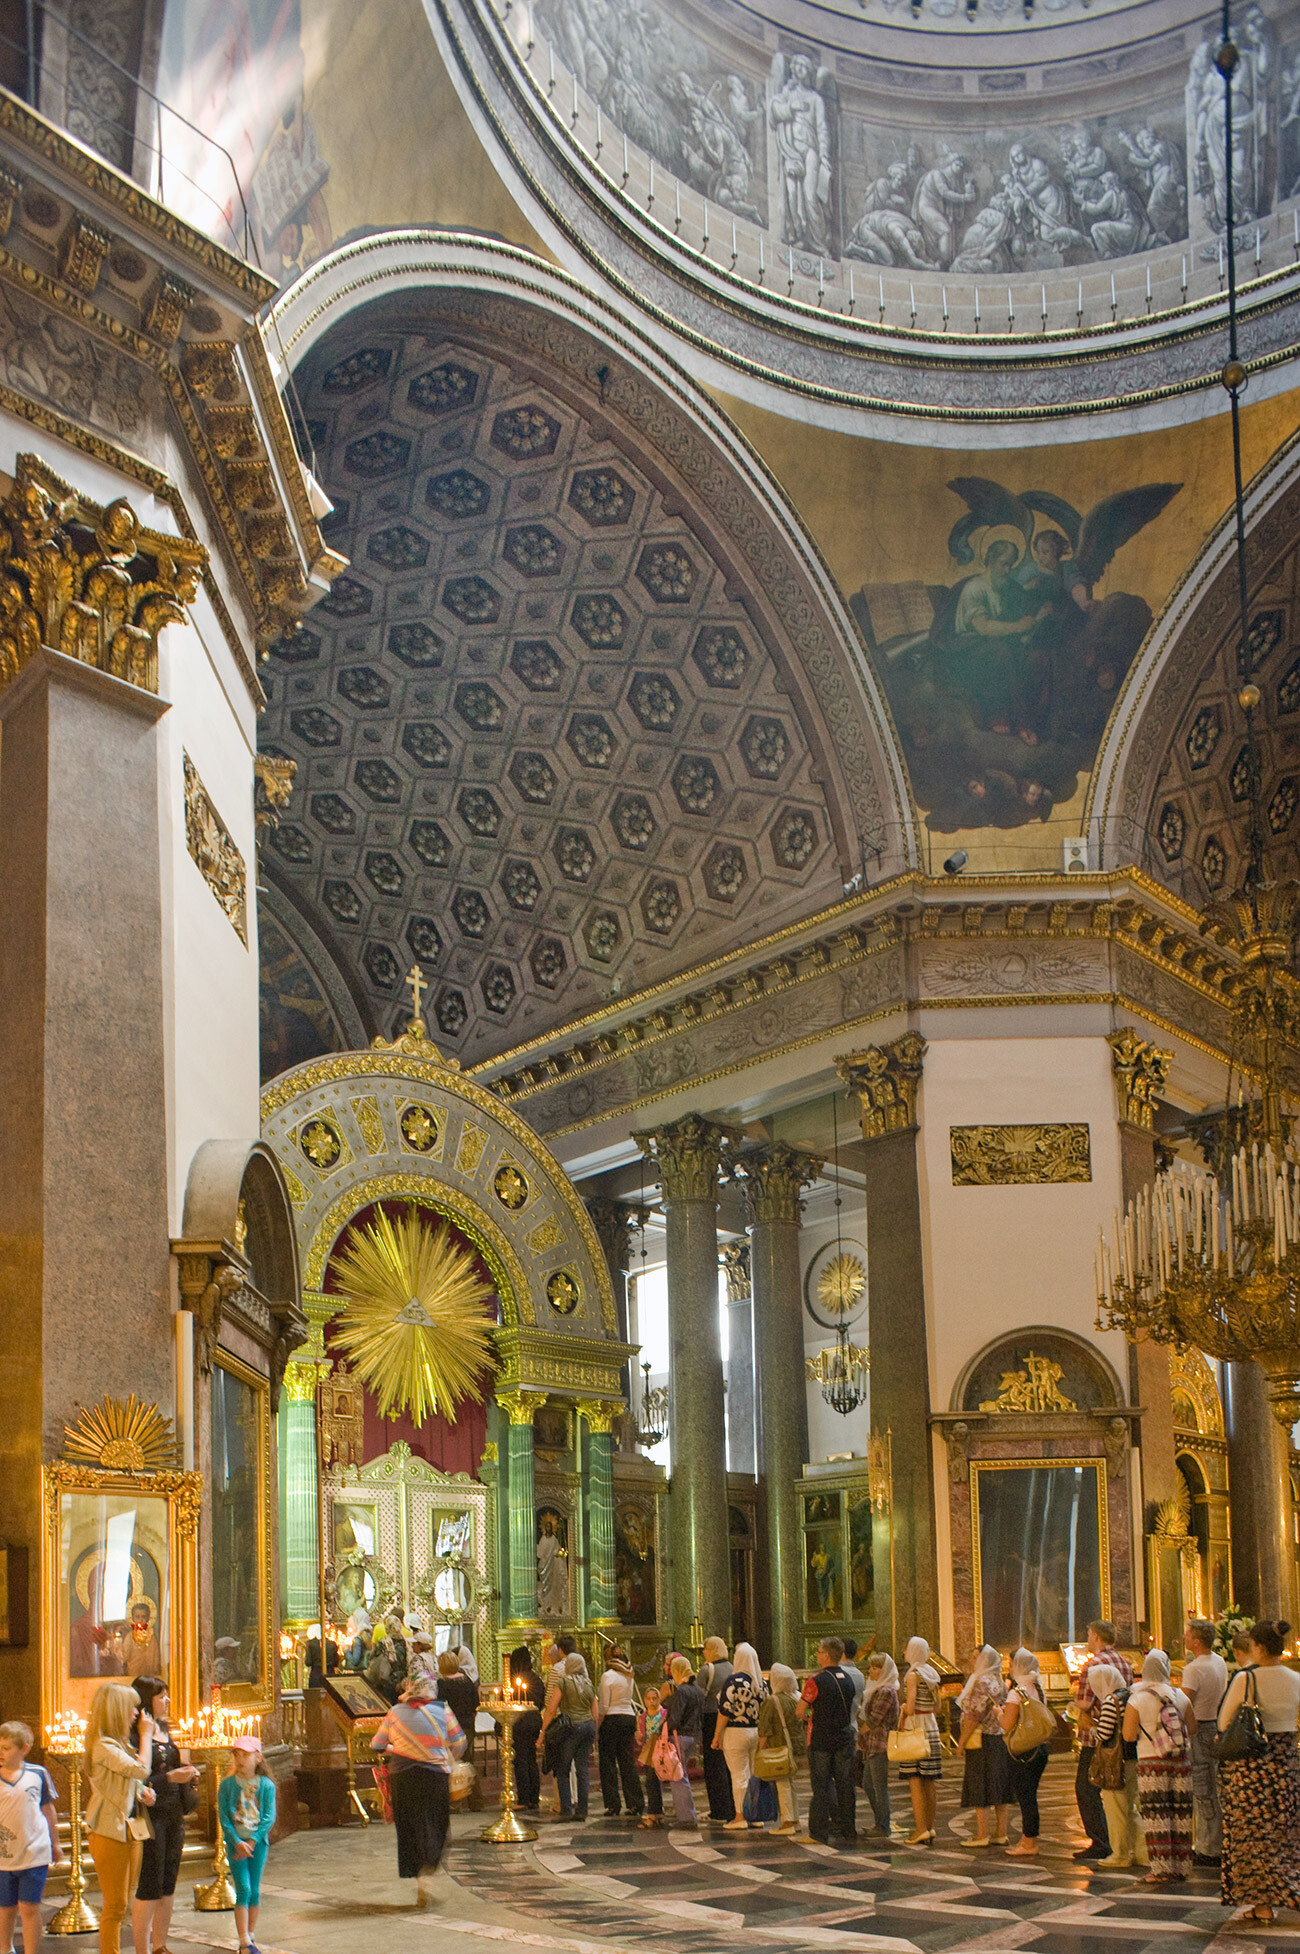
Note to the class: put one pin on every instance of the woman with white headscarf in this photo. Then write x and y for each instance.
(877, 1717)
(778, 1725)
(1160, 1721)
(1027, 1767)
(1110, 1693)
(736, 1731)
(920, 1704)
(986, 1783)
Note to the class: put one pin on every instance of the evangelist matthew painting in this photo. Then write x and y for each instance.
(1001, 680)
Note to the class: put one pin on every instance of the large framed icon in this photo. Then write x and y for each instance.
(242, 1572)
(119, 1580)
(1040, 1533)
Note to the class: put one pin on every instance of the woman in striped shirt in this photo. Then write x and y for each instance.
(420, 1739)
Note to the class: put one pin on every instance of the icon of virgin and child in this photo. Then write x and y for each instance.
(1001, 683)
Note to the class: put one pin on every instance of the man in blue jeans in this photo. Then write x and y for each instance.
(827, 1705)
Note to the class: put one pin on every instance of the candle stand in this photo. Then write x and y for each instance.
(218, 1895)
(66, 1739)
(505, 1711)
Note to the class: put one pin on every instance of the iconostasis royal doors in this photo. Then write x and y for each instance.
(396, 1531)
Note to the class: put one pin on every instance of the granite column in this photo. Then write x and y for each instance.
(1259, 1496)
(775, 1175)
(886, 1079)
(688, 1155)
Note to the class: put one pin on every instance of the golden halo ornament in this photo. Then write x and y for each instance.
(413, 1320)
(122, 1436)
(841, 1284)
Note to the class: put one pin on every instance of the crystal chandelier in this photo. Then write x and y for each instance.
(1212, 1259)
(653, 1427)
(841, 1371)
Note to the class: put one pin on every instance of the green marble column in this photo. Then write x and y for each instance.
(301, 1544)
(775, 1175)
(687, 1156)
(520, 1407)
(602, 1598)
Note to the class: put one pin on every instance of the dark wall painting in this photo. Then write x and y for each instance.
(1001, 681)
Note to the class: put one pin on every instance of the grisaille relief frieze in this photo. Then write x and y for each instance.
(47, 358)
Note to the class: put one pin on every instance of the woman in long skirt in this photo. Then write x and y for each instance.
(920, 1704)
(1261, 1795)
(1159, 1719)
(986, 1781)
(420, 1739)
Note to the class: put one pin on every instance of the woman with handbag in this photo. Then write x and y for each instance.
(683, 1727)
(1158, 1718)
(714, 1673)
(780, 1744)
(914, 1746)
(570, 1702)
(1027, 1723)
(421, 1740)
(115, 1823)
(1112, 1768)
(1260, 1789)
(877, 1718)
(172, 1780)
(986, 1781)
(649, 1728)
(736, 1730)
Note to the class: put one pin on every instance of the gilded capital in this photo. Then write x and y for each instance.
(733, 1260)
(885, 1078)
(775, 1176)
(521, 1407)
(600, 1417)
(615, 1224)
(87, 581)
(1141, 1070)
(300, 1381)
(688, 1155)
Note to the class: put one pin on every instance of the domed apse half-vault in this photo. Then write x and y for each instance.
(556, 739)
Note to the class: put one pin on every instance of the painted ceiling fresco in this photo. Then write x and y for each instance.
(542, 748)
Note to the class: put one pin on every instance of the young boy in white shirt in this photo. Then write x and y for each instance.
(29, 1837)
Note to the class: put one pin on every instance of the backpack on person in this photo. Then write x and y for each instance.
(1169, 1738)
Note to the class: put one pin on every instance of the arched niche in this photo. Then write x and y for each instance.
(1086, 1379)
(238, 1257)
(1175, 729)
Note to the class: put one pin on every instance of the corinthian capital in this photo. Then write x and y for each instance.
(688, 1156)
(615, 1224)
(885, 1078)
(733, 1260)
(1140, 1071)
(87, 581)
(775, 1176)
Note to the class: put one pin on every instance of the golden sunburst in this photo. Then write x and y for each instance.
(413, 1321)
(122, 1437)
(842, 1284)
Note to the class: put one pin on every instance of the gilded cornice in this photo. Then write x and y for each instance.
(188, 309)
(1118, 941)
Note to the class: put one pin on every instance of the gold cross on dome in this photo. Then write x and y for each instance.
(417, 986)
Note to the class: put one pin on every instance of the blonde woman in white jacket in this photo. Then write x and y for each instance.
(117, 1789)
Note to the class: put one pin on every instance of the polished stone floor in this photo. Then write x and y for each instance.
(610, 1888)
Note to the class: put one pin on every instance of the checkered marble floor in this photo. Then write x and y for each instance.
(608, 1887)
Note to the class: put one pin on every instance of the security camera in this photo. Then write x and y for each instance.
(956, 863)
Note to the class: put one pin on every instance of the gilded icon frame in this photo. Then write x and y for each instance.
(257, 1697)
(978, 1467)
(179, 1495)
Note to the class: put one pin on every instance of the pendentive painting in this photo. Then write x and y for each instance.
(1001, 679)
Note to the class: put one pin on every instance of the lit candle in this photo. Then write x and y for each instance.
(650, 199)
(679, 202)
(1148, 284)
(575, 98)
(706, 220)
(1079, 307)
(625, 170)
(600, 139)
(1112, 291)
(1295, 223)
(550, 51)
(853, 297)
(734, 251)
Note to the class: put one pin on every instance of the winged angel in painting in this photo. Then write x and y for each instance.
(1001, 683)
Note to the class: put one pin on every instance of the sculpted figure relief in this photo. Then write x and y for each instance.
(802, 126)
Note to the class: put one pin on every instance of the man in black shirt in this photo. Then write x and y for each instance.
(827, 1705)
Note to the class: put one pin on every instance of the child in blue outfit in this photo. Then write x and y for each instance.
(29, 1839)
(246, 1809)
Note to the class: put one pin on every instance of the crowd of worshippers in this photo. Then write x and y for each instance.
(1168, 1777)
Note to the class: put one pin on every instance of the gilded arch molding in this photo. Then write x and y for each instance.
(481, 285)
(365, 1126)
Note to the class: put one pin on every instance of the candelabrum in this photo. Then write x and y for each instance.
(66, 1738)
(208, 1736)
(505, 1705)
(1194, 1263)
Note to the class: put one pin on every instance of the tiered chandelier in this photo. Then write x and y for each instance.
(1212, 1259)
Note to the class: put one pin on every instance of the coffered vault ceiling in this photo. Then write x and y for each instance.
(542, 744)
